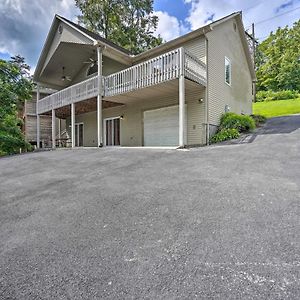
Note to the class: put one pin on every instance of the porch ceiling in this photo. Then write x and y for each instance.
(72, 57)
(83, 107)
(159, 90)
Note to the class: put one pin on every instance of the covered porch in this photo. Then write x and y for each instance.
(147, 117)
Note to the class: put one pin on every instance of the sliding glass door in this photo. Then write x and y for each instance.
(112, 131)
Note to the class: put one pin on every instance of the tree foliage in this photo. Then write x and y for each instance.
(278, 60)
(15, 88)
(128, 23)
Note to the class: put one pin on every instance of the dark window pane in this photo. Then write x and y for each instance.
(80, 135)
(109, 132)
(116, 132)
(76, 135)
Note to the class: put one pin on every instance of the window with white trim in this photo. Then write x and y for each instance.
(227, 71)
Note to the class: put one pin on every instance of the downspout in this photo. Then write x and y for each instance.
(207, 82)
(206, 93)
(38, 122)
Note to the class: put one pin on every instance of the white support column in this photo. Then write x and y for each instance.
(181, 99)
(99, 99)
(73, 124)
(38, 123)
(53, 130)
(59, 128)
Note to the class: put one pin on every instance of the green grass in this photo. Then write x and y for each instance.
(277, 108)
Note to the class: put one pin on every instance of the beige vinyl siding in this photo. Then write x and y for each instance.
(89, 128)
(197, 48)
(131, 130)
(111, 66)
(223, 42)
(196, 118)
(68, 35)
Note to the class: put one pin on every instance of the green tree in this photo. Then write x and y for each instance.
(128, 23)
(278, 60)
(15, 88)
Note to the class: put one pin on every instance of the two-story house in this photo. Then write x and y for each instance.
(171, 95)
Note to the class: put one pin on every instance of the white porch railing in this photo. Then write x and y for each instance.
(157, 70)
(75, 93)
(154, 71)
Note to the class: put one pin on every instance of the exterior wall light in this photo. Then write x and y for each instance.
(200, 100)
(121, 117)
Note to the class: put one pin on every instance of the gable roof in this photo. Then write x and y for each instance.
(94, 35)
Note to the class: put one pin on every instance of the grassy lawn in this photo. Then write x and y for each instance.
(277, 108)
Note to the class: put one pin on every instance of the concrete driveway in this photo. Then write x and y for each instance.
(219, 222)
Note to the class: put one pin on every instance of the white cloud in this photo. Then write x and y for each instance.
(24, 25)
(169, 27)
(253, 11)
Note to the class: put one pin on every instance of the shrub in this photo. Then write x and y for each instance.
(280, 95)
(239, 122)
(225, 134)
(258, 119)
(11, 137)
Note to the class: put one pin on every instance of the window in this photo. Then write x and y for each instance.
(227, 71)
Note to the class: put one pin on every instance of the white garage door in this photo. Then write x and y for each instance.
(161, 126)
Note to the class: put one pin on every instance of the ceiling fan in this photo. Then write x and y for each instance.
(65, 77)
(91, 61)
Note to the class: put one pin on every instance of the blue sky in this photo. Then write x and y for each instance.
(24, 24)
(176, 8)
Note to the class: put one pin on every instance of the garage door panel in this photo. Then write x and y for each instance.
(161, 127)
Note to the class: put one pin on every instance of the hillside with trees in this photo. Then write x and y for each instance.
(278, 60)
(15, 88)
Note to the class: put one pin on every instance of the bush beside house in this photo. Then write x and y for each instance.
(232, 125)
(224, 135)
(239, 122)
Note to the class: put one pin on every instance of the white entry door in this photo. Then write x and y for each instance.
(161, 126)
(78, 134)
(111, 131)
